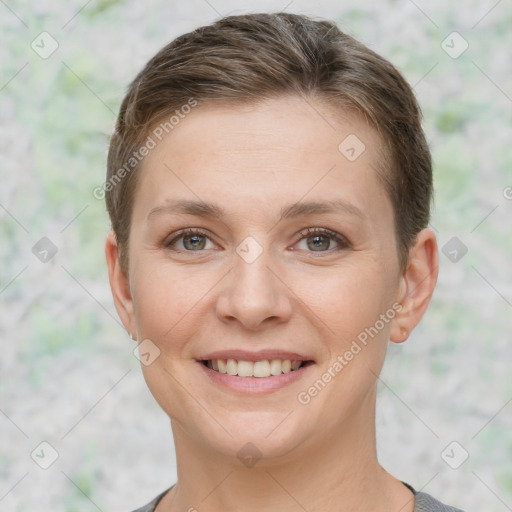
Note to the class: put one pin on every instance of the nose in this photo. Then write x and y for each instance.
(253, 294)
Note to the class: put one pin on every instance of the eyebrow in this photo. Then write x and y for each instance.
(205, 209)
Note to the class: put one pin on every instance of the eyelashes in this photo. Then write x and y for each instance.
(187, 233)
(196, 237)
(325, 233)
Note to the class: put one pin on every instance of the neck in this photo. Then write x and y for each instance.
(328, 473)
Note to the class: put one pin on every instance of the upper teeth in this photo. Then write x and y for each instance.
(264, 368)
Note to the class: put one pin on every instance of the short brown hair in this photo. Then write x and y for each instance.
(251, 57)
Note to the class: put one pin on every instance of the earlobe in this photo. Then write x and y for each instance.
(119, 283)
(416, 285)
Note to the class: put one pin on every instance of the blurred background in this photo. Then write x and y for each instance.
(79, 428)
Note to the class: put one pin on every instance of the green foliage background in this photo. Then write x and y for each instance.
(67, 362)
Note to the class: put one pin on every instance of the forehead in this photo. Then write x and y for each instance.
(274, 151)
(298, 124)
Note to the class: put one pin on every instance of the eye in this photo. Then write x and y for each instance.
(320, 239)
(193, 239)
(317, 240)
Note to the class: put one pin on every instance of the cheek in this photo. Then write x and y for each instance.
(347, 299)
(164, 309)
(161, 302)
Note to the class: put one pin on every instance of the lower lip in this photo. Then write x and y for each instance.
(255, 385)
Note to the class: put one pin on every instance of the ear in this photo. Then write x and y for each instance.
(119, 284)
(416, 285)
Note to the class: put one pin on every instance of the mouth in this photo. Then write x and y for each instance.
(257, 369)
(251, 373)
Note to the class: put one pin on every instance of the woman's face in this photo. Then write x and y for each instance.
(263, 271)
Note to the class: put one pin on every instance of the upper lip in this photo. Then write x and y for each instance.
(244, 355)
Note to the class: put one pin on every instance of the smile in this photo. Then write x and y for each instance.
(254, 377)
(260, 369)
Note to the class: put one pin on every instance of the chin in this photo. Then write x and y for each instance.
(270, 437)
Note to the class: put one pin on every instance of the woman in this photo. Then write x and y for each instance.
(269, 187)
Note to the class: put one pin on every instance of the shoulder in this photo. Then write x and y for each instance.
(150, 507)
(426, 503)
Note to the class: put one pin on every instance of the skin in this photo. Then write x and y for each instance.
(254, 160)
